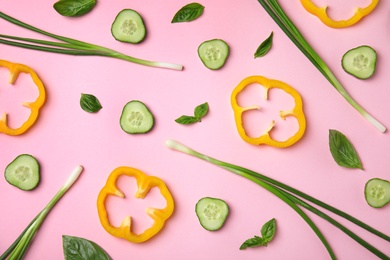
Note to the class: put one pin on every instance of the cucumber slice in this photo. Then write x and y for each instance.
(213, 53)
(211, 212)
(377, 192)
(128, 26)
(360, 62)
(23, 172)
(136, 118)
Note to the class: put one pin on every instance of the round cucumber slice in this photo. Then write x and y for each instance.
(23, 172)
(128, 26)
(136, 118)
(211, 212)
(360, 62)
(213, 53)
(377, 192)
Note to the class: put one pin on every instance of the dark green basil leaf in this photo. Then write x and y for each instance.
(77, 248)
(268, 230)
(253, 242)
(90, 103)
(188, 13)
(343, 151)
(74, 7)
(201, 110)
(264, 47)
(187, 120)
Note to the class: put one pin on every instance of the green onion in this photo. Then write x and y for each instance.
(71, 46)
(21, 244)
(293, 198)
(279, 16)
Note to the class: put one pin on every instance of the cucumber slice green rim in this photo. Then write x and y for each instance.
(211, 212)
(377, 192)
(136, 118)
(23, 172)
(213, 53)
(360, 62)
(128, 26)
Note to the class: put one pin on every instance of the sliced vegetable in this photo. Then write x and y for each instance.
(296, 111)
(23, 172)
(15, 69)
(321, 13)
(73, 8)
(22, 243)
(71, 46)
(276, 12)
(128, 26)
(268, 231)
(212, 213)
(360, 62)
(343, 151)
(144, 183)
(89, 103)
(294, 198)
(199, 112)
(377, 192)
(136, 118)
(213, 53)
(264, 47)
(188, 13)
(77, 248)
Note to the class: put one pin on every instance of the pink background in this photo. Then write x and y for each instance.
(65, 135)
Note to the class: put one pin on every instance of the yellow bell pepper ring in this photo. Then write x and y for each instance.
(15, 69)
(144, 183)
(321, 13)
(296, 111)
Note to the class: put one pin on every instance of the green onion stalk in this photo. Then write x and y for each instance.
(295, 199)
(71, 46)
(21, 244)
(273, 8)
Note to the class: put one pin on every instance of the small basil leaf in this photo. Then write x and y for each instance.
(253, 242)
(74, 7)
(268, 230)
(201, 110)
(343, 151)
(187, 120)
(77, 248)
(188, 13)
(264, 47)
(90, 103)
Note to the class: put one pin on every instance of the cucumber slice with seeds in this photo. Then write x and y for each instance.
(211, 212)
(213, 53)
(360, 62)
(128, 26)
(136, 118)
(23, 172)
(377, 192)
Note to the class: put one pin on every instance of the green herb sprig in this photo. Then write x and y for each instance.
(343, 151)
(89, 103)
(188, 13)
(77, 248)
(199, 112)
(73, 8)
(268, 231)
(265, 46)
(71, 46)
(279, 16)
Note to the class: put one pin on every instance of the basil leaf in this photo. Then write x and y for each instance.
(264, 47)
(253, 242)
(77, 248)
(187, 120)
(268, 230)
(188, 13)
(90, 103)
(343, 151)
(201, 110)
(74, 7)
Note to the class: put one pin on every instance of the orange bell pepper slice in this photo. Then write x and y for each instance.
(144, 183)
(296, 111)
(15, 69)
(321, 13)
